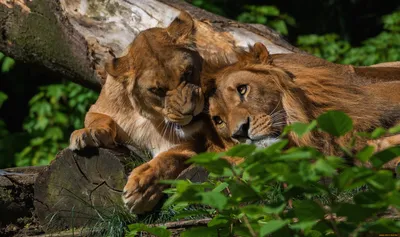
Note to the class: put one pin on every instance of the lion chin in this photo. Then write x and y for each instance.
(186, 131)
(262, 142)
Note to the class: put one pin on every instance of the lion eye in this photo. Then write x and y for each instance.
(217, 120)
(242, 89)
(158, 91)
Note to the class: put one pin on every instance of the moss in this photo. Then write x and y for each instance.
(6, 195)
(41, 38)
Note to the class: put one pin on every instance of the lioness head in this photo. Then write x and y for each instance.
(246, 100)
(161, 74)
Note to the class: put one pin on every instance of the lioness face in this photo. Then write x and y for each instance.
(246, 107)
(168, 89)
(161, 74)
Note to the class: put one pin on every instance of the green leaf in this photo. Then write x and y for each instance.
(275, 147)
(8, 64)
(366, 153)
(302, 225)
(220, 187)
(354, 212)
(378, 132)
(204, 158)
(157, 231)
(325, 167)
(219, 220)
(241, 150)
(272, 226)
(335, 123)
(303, 128)
(3, 97)
(394, 130)
(369, 199)
(213, 199)
(352, 178)
(382, 157)
(297, 155)
(307, 210)
(274, 208)
(382, 181)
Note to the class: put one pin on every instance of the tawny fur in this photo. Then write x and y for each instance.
(149, 101)
(300, 93)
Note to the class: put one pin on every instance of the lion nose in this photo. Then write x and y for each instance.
(243, 130)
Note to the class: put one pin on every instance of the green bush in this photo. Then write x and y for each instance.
(248, 199)
(384, 47)
(54, 113)
(267, 15)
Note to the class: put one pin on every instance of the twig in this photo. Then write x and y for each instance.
(182, 224)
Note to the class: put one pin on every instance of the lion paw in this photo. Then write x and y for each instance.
(142, 192)
(91, 137)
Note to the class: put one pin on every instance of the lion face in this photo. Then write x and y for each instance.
(246, 108)
(246, 102)
(161, 75)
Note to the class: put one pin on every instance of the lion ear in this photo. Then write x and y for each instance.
(208, 86)
(182, 27)
(260, 53)
(118, 66)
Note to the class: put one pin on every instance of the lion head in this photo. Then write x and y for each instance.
(252, 101)
(161, 74)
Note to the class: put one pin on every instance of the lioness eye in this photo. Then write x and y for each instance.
(187, 75)
(242, 89)
(217, 120)
(158, 91)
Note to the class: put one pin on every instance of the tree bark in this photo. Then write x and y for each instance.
(16, 200)
(73, 38)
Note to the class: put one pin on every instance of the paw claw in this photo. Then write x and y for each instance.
(142, 192)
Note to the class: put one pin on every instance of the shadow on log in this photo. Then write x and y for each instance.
(16, 200)
(79, 189)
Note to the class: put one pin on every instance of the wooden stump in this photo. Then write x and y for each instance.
(79, 189)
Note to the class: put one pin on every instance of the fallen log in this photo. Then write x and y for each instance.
(72, 39)
(79, 189)
(16, 199)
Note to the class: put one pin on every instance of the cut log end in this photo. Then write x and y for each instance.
(81, 189)
(78, 188)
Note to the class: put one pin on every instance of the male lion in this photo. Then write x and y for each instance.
(152, 100)
(252, 100)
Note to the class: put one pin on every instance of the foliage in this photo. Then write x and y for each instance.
(244, 202)
(267, 15)
(211, 6)
(54, 113)
(382, 48)
(6, 63)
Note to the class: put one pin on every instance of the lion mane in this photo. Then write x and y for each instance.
(302, 93)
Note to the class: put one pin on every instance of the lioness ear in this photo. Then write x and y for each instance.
(118, 66)
(260, 53)
(182, 27)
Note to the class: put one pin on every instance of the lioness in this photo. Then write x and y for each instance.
(152, 100)
(252, 100)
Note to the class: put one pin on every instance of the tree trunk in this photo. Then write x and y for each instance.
(73, 38)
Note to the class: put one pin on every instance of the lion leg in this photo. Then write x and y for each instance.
(143, 190)
(100, 131)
